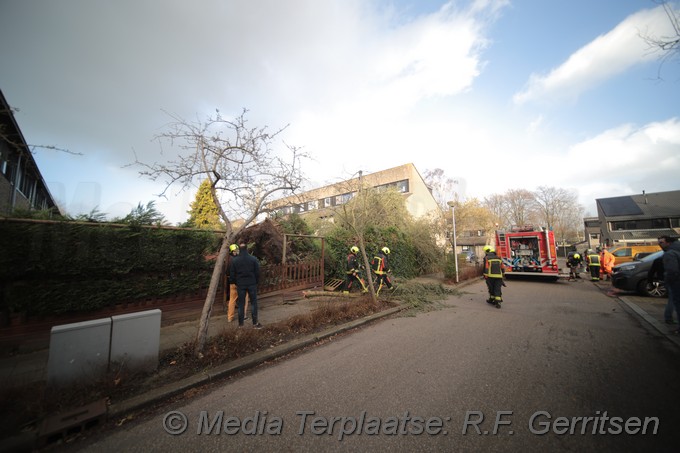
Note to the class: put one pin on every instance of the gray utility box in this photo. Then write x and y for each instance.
(135, 340)
(86, 351)
(78, 352)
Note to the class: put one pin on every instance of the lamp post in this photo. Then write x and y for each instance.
(455, 251)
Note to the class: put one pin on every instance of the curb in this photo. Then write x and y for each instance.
(656, 324)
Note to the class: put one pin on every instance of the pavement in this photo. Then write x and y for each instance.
(30, 365)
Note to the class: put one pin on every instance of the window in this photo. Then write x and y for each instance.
(328, 202)
(344, 198)
(640, 224)
(622, 252)
(402, 186)
(26, 185)
(311, 205)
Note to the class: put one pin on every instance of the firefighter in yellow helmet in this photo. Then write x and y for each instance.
(573, 263)
(493, 274)
(233, 293)
(380, 266)
(352, 271)
(593, 261)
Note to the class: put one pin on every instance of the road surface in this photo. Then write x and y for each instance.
(561, 367)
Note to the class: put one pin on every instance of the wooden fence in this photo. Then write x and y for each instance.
(290, 276)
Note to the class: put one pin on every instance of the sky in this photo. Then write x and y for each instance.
(500, 94)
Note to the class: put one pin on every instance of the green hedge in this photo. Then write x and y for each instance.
(57, 267)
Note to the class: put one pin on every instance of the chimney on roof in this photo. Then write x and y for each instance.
(644, 195)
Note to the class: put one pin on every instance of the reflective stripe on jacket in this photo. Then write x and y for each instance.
(494, 267)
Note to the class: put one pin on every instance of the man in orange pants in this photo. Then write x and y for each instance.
(607, 261)
(233, 294)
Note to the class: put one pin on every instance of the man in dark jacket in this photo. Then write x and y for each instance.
(245, 272)
(654, 279)
(671, 271)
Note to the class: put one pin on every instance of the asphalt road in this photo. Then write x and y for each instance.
(466, 377)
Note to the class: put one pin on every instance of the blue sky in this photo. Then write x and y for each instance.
(500, 94)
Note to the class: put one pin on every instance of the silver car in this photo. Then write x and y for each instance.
(633, 276)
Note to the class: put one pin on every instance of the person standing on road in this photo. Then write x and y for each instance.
(245, 272)
(607, 261)
(654, 278)
(593, 260)
(671, 271)
(352, 271)
(493, 273)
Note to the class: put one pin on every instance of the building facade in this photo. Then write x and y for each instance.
(637, 219)
(320, 202)
(21, 184)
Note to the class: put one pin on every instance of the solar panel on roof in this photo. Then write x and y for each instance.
(618, 206)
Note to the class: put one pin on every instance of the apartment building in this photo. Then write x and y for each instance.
(320, 202)
(638, 219)
(21, 184)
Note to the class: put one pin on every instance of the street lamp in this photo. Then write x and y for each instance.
(455, 251)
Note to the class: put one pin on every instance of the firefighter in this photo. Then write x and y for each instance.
(487, 249)
(593, 261)
(607, 261)
(233, 294)
(493, 273)
(380, 267)
(352, 271)
(573, 263)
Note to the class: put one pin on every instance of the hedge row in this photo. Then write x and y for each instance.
(56, 267)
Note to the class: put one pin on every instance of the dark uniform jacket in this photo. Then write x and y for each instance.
(245, 269)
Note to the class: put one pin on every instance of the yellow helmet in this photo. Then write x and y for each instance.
(233, 248)
(385, 250)
(488, 249)
(354, 249)
(577, 256)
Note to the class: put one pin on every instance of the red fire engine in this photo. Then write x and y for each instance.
(527, 250)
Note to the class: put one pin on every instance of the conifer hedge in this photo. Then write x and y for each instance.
(57, 267)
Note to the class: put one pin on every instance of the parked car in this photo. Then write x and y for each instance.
(633, 276)
(626, 253)
(470, 257)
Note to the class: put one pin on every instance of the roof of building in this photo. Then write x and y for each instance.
(13, 135)
(659, 204)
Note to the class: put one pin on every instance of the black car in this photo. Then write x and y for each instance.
(633, 276)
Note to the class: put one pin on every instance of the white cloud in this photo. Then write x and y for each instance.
(628, 159)
(605, 57)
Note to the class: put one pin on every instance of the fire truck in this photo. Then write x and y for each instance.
(528, 250)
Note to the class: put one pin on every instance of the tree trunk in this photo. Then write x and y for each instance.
(202, 333)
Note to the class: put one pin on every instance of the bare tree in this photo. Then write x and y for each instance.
(558, 209)
(370, 208)
(244, 173)
(520, 206)
(668, 46)
(443, 188)
(497, 205)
